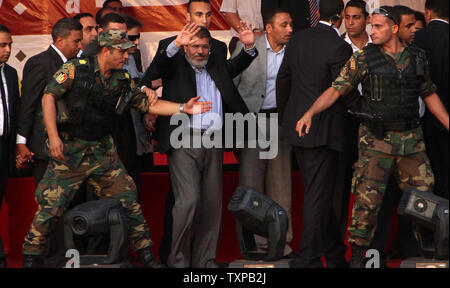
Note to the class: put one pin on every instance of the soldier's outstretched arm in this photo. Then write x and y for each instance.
(328, 98)
(49, 111)
(167, 108)
(436, 107)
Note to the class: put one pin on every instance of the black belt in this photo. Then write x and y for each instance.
(401, 126)
(268, 111)
(394, 126)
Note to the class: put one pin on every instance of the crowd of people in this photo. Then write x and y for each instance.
(363, 113)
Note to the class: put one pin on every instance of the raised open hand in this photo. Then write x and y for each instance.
(246, 35)
(185, 35)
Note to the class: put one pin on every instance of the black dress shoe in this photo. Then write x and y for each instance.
(222, 264)
(298, 263)
(291, 255)
(338, 264)
(3, 262)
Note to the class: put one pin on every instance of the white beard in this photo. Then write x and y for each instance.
(197, 64)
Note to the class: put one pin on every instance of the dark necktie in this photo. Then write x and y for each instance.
(5, 108)
(313, 8)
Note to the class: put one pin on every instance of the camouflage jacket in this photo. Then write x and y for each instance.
(62, 81)
(356, 70)
(406, 142)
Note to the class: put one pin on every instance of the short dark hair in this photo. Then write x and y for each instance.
(106, 3)
(361, 4)
(203, 33)
(192, 1)
(79, 16)
(132, 22)
(5, 29)
(439, 7)
(401, 10)
(110, 18)
(269, 17)
(330, 9)
(64, 26)
(98, 16)
(420, 17)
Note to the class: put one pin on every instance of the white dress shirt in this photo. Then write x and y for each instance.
(331, 25)
(5, 88)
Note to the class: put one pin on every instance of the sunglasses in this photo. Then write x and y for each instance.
(134, 37)
(385, 13)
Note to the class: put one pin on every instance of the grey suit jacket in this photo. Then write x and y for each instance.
(251, 83)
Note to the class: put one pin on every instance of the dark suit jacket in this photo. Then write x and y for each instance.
(313, 60)
(180, 85)
(37, 72)
(434, 40)
(13, 98)
(217, 47)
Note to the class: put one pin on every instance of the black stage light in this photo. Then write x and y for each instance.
(95, 218)
(429, 211)
(257, 214)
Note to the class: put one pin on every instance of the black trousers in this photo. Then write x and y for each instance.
(320, 230)
(347, 159)
(3, 179)
(437, 144)
(166, 241)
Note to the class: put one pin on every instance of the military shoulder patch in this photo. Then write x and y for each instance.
(127, 75)
(72, 72)
(61, 78)
(352, 63)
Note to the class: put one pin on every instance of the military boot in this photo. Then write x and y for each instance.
(147, 258)
(32, 261)
(357, 256)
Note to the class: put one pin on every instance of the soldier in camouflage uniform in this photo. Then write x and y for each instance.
(87, 92)
(390, 136)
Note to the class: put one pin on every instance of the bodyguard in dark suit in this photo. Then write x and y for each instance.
(313, 60)
(38, 70)
(434, 40)
(198, 12)
(9, 100)
(31, 138)
(196, 173)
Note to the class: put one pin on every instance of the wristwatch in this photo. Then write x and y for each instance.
(182, 108)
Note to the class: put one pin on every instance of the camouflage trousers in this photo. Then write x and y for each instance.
(100, 167)
(371, 174)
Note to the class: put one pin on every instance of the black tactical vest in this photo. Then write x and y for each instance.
(390, 94)
(90, 106)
